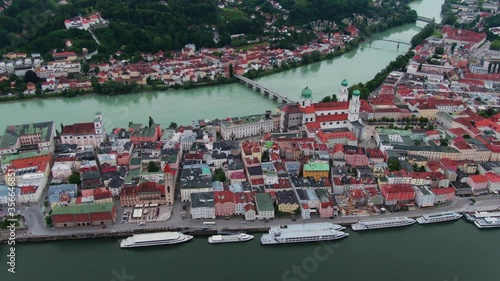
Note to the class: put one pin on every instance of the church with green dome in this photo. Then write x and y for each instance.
(342, 114)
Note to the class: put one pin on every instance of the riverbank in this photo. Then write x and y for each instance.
(196, 228)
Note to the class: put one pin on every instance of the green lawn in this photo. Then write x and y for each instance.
(231, 14)
(250, 46)
(437, 33)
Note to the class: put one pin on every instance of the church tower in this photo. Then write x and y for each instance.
(169, 184)
(343, 94)
(306, 98)
(99, 128)
(354, 106)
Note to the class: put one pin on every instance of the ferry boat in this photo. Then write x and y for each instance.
(382, 223)
(310, 232)
(439, 217)
(487, 222)
(242, 237)
(155, 239)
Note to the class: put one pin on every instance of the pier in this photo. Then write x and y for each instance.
(263, 90)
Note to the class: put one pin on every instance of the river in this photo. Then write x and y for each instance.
(455, 251)
(182, 106)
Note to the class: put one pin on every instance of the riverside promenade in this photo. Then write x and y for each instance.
(37, 231)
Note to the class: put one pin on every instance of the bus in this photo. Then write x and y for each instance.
(208, 223)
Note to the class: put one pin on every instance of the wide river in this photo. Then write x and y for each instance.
(455, 251)
(183, 106)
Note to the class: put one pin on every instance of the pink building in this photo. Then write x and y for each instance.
(355, 158)
(478, 183)
(443, 194)
(224, 203)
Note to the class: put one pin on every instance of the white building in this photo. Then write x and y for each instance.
(61, 170)
(424, 197)
(241, 127)
(202, 205)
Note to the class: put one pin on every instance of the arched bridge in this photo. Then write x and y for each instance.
(263, 90)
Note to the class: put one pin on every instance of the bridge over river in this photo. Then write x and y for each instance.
(263, 90)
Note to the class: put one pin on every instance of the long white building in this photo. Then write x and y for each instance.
(241, 127)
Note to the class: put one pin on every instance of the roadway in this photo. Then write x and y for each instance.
(36, 222)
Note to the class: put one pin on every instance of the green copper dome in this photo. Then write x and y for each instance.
(306, 93)
(345, 83)
(356, 93)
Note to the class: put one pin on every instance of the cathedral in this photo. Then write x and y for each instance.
(341, 114)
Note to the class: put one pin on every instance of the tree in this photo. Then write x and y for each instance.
(265, 156)
(495, 45)
(316, 55)
(151, 121)
(393, 164)
(48, 220)
(219, 175)
(152, 167)
(38, 92)
(96, 69)
(326, 99)
(74, 178)
(231, 71)
(31, 76)
(306, 58)
(172, 125)
(443, 142)
(85, 68)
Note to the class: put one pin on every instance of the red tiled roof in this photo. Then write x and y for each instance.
(331, 118)
(79, 128)
(446, 190)
(479, 178)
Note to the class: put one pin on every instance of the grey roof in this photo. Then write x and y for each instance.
(13, 132)
(202, 200)
(286, 197)
(56, 190)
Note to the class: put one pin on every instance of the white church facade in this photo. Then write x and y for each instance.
(342, 113)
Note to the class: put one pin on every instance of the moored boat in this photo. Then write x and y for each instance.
(382, 223)
(439, 217)
(241, 237)
(311, 232)
(487, 222)
(155, 239)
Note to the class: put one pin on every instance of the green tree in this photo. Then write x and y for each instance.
(265, 156)
(152, 167)
(173, 125)
(219, 175)
(306, 59)
(443, 142)
(48, 221)
(231, 71)
(151, 121)
(316, 55)
(393, 164)
(85, 68)
(495, 45)
(74, 178)
(38, 92)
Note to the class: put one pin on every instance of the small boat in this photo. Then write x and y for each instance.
(155, 239)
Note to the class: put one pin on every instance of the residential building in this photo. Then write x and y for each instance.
(396, 193)
(264, 206)
(287, 202)
(25, 137)
(202, 205)
(424, 197)
(478, 184)
(443, 195)
(241, 127)
(316, 170)
(62, 194)
(144, 193)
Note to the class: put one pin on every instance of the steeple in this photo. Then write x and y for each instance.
(306, 97)
(343, 93)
